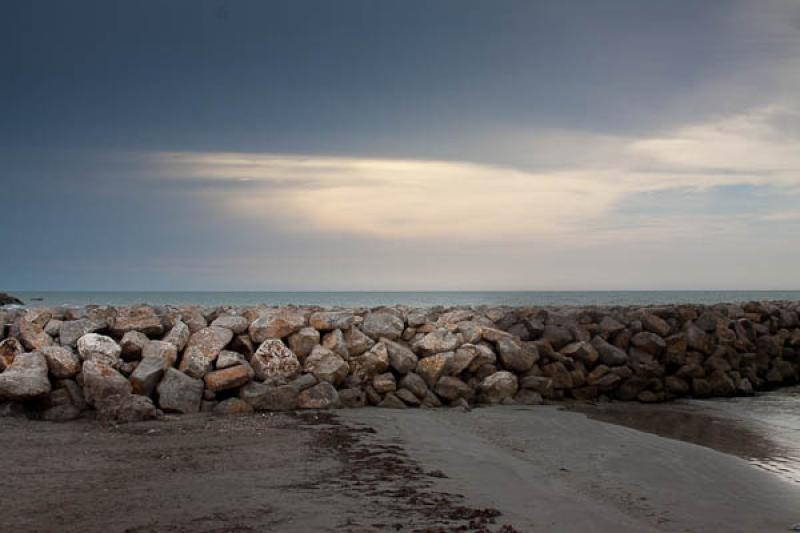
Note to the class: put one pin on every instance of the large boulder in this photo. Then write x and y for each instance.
(375, 361)
(320, 396)
(179, 392)
(276, 325)
(237, 324)
(69, 331)
(451, 388)
(227, 378)
(147, 375)
(202, 350)
(382, 324)
(263, 397)
(330, 320)
(61, 361)
(437, 341)
(357, 342)
(274, 360)
(7, 299)
(32, 335)
(93, 346)
(132, 344)
(26, 378)
(498, 387)
(334, 341)
(140, 318)
(431, 368)
(103, 385)
(326, 365)
(609, 354)
(401, 359)
(131, 408)
(303, 341)
(179, 335)
(516, 355)
(648, 342)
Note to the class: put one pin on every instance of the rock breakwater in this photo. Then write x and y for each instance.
(134, 363)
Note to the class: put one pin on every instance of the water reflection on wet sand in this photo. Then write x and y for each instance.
(764, 430)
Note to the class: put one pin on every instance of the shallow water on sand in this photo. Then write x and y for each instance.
(763, 429)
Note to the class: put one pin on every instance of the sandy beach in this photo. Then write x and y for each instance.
(507, 468)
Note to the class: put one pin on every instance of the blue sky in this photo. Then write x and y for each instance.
(306, 145)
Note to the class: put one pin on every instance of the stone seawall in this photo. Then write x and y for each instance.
(133, 363)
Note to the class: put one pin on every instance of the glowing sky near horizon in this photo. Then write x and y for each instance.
(362, 145)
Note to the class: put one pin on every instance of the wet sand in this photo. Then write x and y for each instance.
(506, 469)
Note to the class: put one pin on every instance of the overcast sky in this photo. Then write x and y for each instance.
(400, 145)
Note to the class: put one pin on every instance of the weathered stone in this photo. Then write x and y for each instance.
(58, 407)
(330, 320)
(228, 358)
(179, 335)
(384, 383)
(320, 396)
(451, 388)
(581, 351)
(71, 330)
(392, 401)
(179, 393)
(401, 359)
(438, 341)
(414, 383)
(303, 341)
(7, 299)
(485, 357)
(375, 361)
(303, 382)
(382, 324)
(132, 344)
(609, 326)
(655, 324)
(100, 348)
(352, 398)
(203, 349)
(541, 384)
(52, 327)
(610, 355)
(9, 349)
(357, 342)
(276, 324)
(676, 385)
(131, 408)
(232, 406)
(644, 363)
(31, 335)
(462, 359)
(140, 318)
(515, 355)
(147, 374)
(557, 336)
(334, 341)
(227, 378)
(630, 388)
(431, 368)
(273, 360)
(25, 378)
(103, 386)
(697, 339)
(237, 324)
(61, 362)
(326, 365)
(162, 350)
(528, 397)
(649, 342)
(562, 379)
(498, 387)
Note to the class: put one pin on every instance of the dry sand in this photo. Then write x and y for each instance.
(492, 469)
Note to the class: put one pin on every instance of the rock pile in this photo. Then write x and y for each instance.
(131, 363)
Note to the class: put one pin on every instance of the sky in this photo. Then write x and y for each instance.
(415, 145)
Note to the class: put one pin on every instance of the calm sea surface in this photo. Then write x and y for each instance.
(407, 298)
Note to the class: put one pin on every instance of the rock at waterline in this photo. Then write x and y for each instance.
(7, 299)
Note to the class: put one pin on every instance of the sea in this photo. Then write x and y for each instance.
(411, 298)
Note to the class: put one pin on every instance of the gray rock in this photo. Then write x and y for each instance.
(384, 383)
(276, 325)
(581, 351)
(140, 318)
(367, 366)
(401, 359)
(53, 327)
(609, 354)
(557, 336)
(228, 358)
(263, 397)
(330, 320)
(179, 335)
(31, 335)
(437, 341)
(303, 341)
(649, 342)
(415, 384)
(352, 398)
(94, 347)
(103, 385)
(516, 356)
(320, 396)
(61, 362)
(326, 365)
(26, 378)
(498, 387)
(163, 350)
(179, 393)
(451, 388)
(303, 382)
(357, 342)
(431, 368)
(232, 406)
(528, 397)
(132, 344)
(202, 350)
(392, 401)
(237, 324)
(382, 324)
(147, 375)
(609, 326)
(273, 360)
(131, 408)
(334, 341)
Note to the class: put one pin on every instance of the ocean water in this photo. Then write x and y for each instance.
(422, 299)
